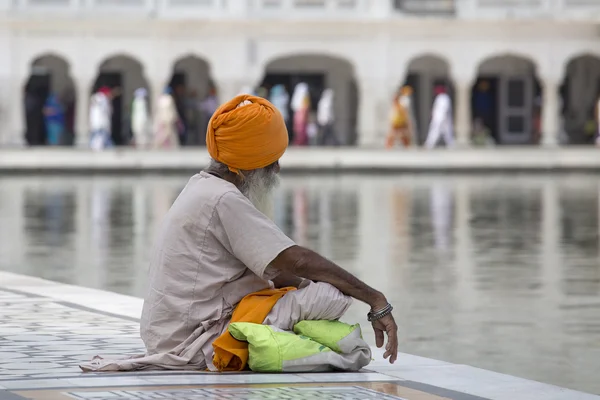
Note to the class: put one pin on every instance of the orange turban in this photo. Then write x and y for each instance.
(246, 137)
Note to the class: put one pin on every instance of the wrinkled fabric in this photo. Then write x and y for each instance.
(246, 133)
(314, 346)
(231, 354)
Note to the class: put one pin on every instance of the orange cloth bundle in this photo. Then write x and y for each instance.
(246, 137)
(231, 354)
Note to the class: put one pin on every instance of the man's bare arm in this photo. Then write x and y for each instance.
(305, 263)
(286, 279)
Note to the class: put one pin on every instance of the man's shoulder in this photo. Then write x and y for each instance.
(209, 190)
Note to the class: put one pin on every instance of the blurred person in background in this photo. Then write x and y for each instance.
(192, 115)
(441, 125)
(54, 117)
(262, 92)
(482, 136)
(280, 98)
(536, 119)
(400, 124)
(68, 101)
(140, 118)
(178, 95)
(326, 118)
(208, 106)
(35, 126)
(483, 103)
(312, 129)
(406, 101)
(101, 118)
(301, 107)
(166, 122)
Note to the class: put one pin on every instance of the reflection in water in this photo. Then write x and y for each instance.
(497, 272)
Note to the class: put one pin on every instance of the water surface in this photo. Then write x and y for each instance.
(499, 271)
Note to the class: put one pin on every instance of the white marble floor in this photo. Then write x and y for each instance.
(43, 338)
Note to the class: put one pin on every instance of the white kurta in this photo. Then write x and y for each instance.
(166, 123)
(140, 121)
(441, 122)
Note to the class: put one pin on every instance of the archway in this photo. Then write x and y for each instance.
(192, 85)
(50, 75)
(319, 72)
(580, 94)
(424, 73)
(126, 74)
(507, 99)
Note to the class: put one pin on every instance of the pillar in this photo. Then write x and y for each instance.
(9, 97)
(13, 110)
(550, 112)
(83, 87)
(375, 96)
(378, 9)
(463, 113)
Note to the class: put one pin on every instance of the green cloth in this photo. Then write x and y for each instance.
(316, 346)
(327, 333)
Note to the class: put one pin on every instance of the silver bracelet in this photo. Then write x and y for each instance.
(375, 315)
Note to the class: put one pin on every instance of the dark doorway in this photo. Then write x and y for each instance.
(114, 80)
(179, 93)
(37, 91)
(484, 105)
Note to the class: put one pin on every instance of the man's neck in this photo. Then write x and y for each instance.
(228, 176)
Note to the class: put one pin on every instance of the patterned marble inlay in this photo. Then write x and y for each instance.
(40, 338)
(346, 393)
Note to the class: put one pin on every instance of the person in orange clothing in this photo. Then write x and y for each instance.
(401, 124)
(217, 245)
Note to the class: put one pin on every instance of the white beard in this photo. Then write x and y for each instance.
(258, 187)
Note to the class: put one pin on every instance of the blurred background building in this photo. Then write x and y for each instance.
(530, 69)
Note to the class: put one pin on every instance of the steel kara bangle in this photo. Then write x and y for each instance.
(375, 315)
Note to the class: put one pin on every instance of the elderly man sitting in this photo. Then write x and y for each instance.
(215, 247)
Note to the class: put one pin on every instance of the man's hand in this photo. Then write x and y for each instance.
(387, 325)
(307, 264)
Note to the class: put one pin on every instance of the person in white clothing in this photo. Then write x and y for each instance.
(140, 118)
(167, 120)
(101, 119)
(441, 120)
(325, 118)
